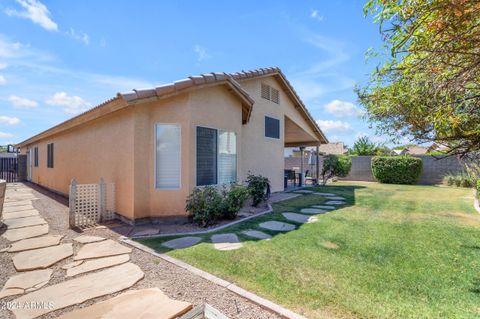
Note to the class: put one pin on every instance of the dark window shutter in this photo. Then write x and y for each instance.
(50, 155)
(206, 156)
(35, 156)
(272, 127)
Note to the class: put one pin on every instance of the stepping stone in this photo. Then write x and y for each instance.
(304, 191)
(41, 258)
(226, 242)
(146, 304)
(312, 211)
(95, 264)
(18, 203)
(256, 234)
(25, 232)
(299, 218)
(325, 194)
(145, 231)
(277, 226)
(104, 248)
(76, 291)
(182, 242)
(337, 198)
(335, 202)
(26, 282)
(13, 209)
(328, 207)
(72, 264)
(21, 214)
(24, 222)
(35, 243)
(85, 239)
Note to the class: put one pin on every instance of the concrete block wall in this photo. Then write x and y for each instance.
(433, 169)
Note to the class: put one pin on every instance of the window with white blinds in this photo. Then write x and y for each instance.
(168, 160)
(216, 156)
(227, 157)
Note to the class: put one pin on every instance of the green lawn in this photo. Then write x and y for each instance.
(393, 251)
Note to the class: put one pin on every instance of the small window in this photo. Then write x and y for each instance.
(35, 156)
(168, 160)
(272, 127)
(270, 93)
(50, 155)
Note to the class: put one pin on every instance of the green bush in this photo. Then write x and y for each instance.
(335, 165)
(233, 200)
(459, 180)
(396, 169)
(259, 188)
(478, 188)
(205, 205)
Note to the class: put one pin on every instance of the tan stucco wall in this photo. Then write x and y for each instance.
(102, 148)
(263, 155)
(120, 147)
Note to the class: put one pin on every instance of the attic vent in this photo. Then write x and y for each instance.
(265, 91)
(270, 93)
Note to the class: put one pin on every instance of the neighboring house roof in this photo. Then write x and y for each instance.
(333, 148)
(137, 96)
(397, 152)
(415, 150)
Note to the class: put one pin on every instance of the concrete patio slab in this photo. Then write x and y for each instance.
(228, 241)
(26, 282)
(299, 218)
(256, 234)
(24, 222)
(13, 209)
(26, 232)
(78, 290)
(328, 207)
(21, 214)
(182, 242)
(312, 211)
(35, 243)
(95, 264)
(86, 239)
(41, 258)
(149, 303)
(102, 249)
(277, 226)
(335, 202)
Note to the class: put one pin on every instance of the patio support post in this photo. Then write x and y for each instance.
(317, 167)
(300, 182)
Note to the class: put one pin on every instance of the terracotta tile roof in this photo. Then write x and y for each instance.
(193, 82)
(333, 148)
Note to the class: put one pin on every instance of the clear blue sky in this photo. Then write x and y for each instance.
(58, 58)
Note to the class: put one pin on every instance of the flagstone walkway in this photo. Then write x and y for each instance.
(230, 241)
(73, 275)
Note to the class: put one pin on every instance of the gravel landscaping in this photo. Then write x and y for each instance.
(176, 282)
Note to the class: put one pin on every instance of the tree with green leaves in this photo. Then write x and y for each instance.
(428, 86)
(364, 147)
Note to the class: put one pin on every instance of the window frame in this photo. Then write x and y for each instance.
(265, 127)
(50, 155)
(217, 154)
(156, 162)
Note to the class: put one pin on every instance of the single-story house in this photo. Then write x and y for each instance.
(410, 150)
(157, 144)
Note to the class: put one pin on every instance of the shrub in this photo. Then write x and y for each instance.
(335, 166)
(459, 180)
(233, 200)
(259, 188)
(478, 188)
(396, 169)
(204, 205)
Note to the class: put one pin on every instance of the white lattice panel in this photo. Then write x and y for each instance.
(86, 205)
